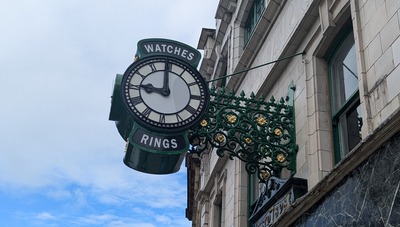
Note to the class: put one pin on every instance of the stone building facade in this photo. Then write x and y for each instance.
(346, 102)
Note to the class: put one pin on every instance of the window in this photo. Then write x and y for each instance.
(218, 215)
(218, 219)
(345, 100)
(255, 14)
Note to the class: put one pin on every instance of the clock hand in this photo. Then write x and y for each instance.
(165, 89)
(149, 88)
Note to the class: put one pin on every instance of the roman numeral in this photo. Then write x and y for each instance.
(178, 118)
(134, 87)
(191, 84)
(136, 100)
(190, 109)
(141, 75)
(146, 112)
(153, 67)
(162, 118)
(195, 97)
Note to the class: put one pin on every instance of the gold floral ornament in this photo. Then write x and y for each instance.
(265, 175)
(231, 118)
(261, 120)
(220, 138)
(248, 140)
(204, 123)
(281, 158)
(278, 132)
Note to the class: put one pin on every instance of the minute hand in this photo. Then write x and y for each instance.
(165, 89)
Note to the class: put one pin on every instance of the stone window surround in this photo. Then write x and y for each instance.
(332, 18)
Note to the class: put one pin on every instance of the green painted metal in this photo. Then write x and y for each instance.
(118, 112)
(260, 133)
(158, 143)
(151, 162)
(145, 151)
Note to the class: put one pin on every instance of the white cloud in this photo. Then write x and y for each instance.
(110, 221)
(163, 219)
(58, 194)
(45, 216)
(97, 219)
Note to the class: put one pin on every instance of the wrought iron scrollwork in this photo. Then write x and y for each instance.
(260, 133)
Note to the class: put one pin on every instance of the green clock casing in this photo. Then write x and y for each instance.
(164, 94)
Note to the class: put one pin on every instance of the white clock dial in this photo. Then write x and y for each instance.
(177, 100)
(164, 93)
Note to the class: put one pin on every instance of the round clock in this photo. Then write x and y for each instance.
(164, 94)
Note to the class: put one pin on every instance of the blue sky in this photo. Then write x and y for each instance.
(60, 157)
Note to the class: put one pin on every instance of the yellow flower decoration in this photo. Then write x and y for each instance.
(231, 118)
(265, 175)
(203, 123)
(220, 138)
(280, 158)
(261, 120)
(278, 132)
(248, 140)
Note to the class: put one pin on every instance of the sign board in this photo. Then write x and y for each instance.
(159, 143)
(159, 47)
(272, 214)
(155, 153)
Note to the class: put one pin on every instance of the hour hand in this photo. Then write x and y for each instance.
(149, 88)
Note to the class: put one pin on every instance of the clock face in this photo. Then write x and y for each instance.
(164, 94)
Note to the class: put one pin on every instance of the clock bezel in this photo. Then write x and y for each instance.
(159, 126)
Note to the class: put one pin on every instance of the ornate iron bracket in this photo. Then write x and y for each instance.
(260, 133)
